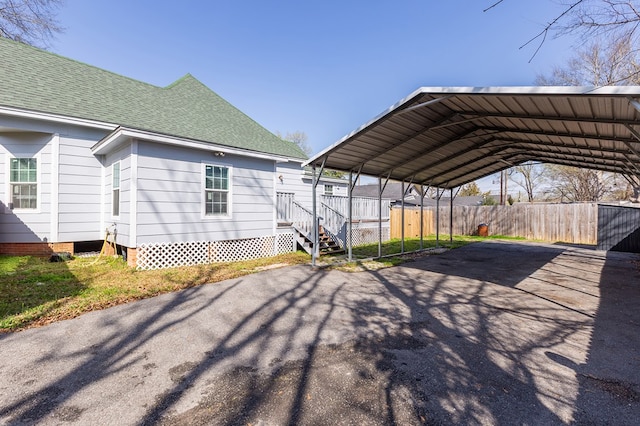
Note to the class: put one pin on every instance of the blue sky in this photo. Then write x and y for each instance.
(322, 67)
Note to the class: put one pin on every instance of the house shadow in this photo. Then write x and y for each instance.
(119, 348)
(31, 286)
(34, 287)
(609, 376)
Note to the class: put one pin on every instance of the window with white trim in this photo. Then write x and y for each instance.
(23, 178)
(216, 190)
(115, 189)
(328, 190)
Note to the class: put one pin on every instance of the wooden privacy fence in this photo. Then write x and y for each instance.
(411, 222)
(571, 223)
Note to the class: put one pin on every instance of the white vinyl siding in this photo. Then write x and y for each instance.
(171, 192)
(79, 188)
(26, 224)
(292, 182)
(121, 223)
(77, 185)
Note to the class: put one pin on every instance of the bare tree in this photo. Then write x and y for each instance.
(603, 62)
(588, 19)
(600, 17)
(299, 138)
(574, 184)
(607, 61)
(530, 177)
(30, 21)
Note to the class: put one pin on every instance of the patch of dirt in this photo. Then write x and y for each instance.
(350, 383)
(178, 373)
(69, 413)
(274, 266)
(623, 392)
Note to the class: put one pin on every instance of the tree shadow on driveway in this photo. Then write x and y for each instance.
(544, 334)
(495, 333)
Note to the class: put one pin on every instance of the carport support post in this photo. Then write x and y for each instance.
(381, 188)
(451, 215)
(402, 222)
(350, 218)
(315, 250)
(380, 216)
(421, 216)
(315, 216)
(438, 217)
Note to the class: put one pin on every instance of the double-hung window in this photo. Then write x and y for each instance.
(216, 190)
(23, 178)
(115, 189)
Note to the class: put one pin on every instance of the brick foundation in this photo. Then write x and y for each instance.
(47, 249)
(132, 257)
(34, 249)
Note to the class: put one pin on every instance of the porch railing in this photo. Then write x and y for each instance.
(335, 223)
(302, 219)
(363, 208)
(284, 206)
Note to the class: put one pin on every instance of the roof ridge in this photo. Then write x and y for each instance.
(188, 76)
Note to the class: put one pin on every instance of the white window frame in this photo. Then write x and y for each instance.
(114, 189)
(206, 190)
(328, 185)
(38, 183)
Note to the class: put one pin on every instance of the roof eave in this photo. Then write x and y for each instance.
(122, 134)
(56, 118)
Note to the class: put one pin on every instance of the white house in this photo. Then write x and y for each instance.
(176, 174)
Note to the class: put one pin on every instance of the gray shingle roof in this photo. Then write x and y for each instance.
(41, 81)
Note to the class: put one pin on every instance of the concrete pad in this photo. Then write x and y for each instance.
(491, 333)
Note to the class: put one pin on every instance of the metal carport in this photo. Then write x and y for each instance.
(445, 137)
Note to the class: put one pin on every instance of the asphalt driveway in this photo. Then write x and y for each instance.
(491, 333)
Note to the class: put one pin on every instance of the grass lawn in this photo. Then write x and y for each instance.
(393, 247)
(34, 291)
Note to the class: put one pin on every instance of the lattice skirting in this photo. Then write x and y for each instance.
(171, 255)
(367, 233)
(363, 233)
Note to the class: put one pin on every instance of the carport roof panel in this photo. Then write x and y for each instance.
(448, 136)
